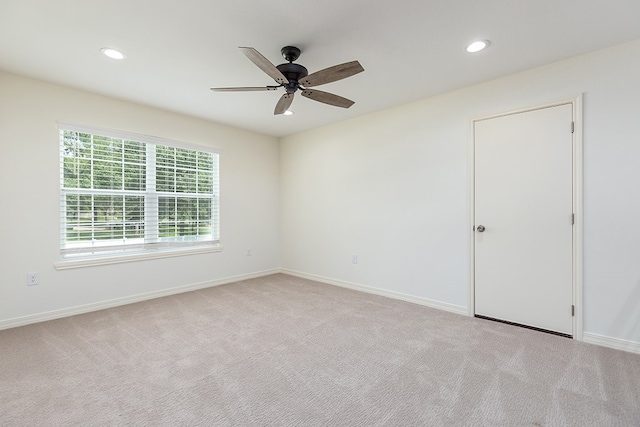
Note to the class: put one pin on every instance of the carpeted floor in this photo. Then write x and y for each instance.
(282, 351)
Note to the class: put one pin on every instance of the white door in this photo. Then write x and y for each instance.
(523, 218)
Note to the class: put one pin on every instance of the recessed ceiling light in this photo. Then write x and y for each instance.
(112, 53)
(288, 113)
(477, 46)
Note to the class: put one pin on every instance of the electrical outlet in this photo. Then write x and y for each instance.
(33, 279)
(248, 251)
(354, 259)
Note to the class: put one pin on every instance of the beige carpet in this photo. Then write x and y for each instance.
(286, 351)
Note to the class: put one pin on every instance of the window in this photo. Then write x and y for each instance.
(123, 193)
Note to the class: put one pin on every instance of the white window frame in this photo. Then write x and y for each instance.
(149, 247)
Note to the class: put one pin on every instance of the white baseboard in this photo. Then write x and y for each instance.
(590, 338)
(616, 343)
(65, 312)
(457, 309)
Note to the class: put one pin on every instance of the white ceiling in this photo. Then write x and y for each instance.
(410, 49)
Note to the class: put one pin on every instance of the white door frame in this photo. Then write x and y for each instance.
(576, 103)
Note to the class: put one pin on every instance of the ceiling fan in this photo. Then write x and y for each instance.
(292, 77)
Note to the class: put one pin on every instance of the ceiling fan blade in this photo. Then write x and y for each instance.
(243, 89)
(327, 98)
(264, 64)
(283, 104)
(332, 74)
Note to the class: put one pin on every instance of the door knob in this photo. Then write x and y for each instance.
(480, 228)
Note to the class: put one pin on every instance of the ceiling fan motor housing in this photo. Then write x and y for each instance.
(293, 73)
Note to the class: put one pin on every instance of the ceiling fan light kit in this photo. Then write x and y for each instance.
(293, 77)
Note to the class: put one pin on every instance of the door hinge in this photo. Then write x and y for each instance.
(573, 219)
(573, 310)
(573, 127)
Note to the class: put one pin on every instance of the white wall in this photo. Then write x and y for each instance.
(392, 187)
(29, 170)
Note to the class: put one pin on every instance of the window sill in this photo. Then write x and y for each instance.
(81, 262)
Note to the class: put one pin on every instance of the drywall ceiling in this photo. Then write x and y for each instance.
(410, 49)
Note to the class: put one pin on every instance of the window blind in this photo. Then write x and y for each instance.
(122, 194)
